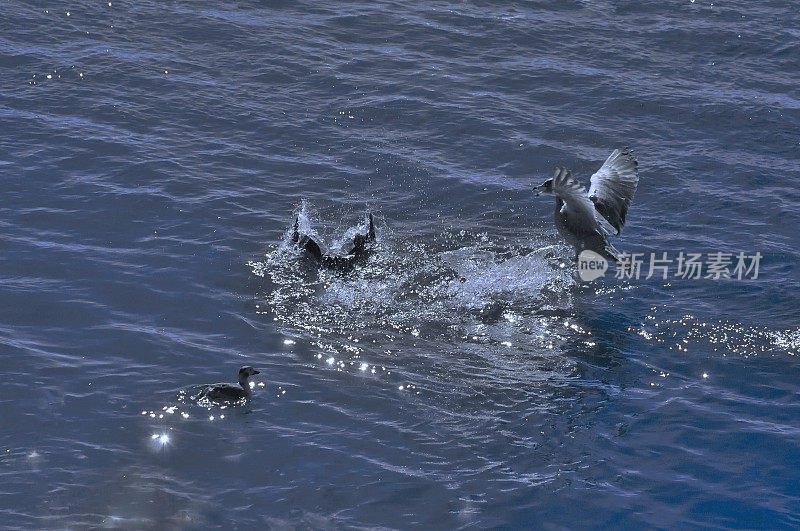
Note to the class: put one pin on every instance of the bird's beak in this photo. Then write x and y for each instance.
(256, 371)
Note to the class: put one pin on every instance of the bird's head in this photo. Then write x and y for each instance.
(544, 188)
(247, 372)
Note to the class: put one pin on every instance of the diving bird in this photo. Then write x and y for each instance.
(586, 220)
(225, 392)
(351, 253)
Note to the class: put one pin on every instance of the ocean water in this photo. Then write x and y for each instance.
(153, 155)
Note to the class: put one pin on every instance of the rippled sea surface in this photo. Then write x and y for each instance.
(153, 154)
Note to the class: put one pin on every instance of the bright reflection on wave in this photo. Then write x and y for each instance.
(160, 440)
(725, 337)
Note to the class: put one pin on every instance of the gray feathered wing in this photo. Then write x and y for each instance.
(580, 217)
(614, 185)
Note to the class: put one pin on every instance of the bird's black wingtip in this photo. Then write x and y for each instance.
(296, 229)
(630, 155)
(371, 229)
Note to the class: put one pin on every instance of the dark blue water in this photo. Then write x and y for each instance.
(152, 155)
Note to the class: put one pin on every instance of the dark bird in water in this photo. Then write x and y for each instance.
(586, 220)
(348, 255)
(225, 392)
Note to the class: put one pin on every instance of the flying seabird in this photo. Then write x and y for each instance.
(585, 220)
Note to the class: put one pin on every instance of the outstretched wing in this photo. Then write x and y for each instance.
(614, 185)
(584, 217)
(579, 216)
(571, 191)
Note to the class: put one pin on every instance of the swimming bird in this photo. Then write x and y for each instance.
(225, 392)
(348, 255)
(586, 220)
